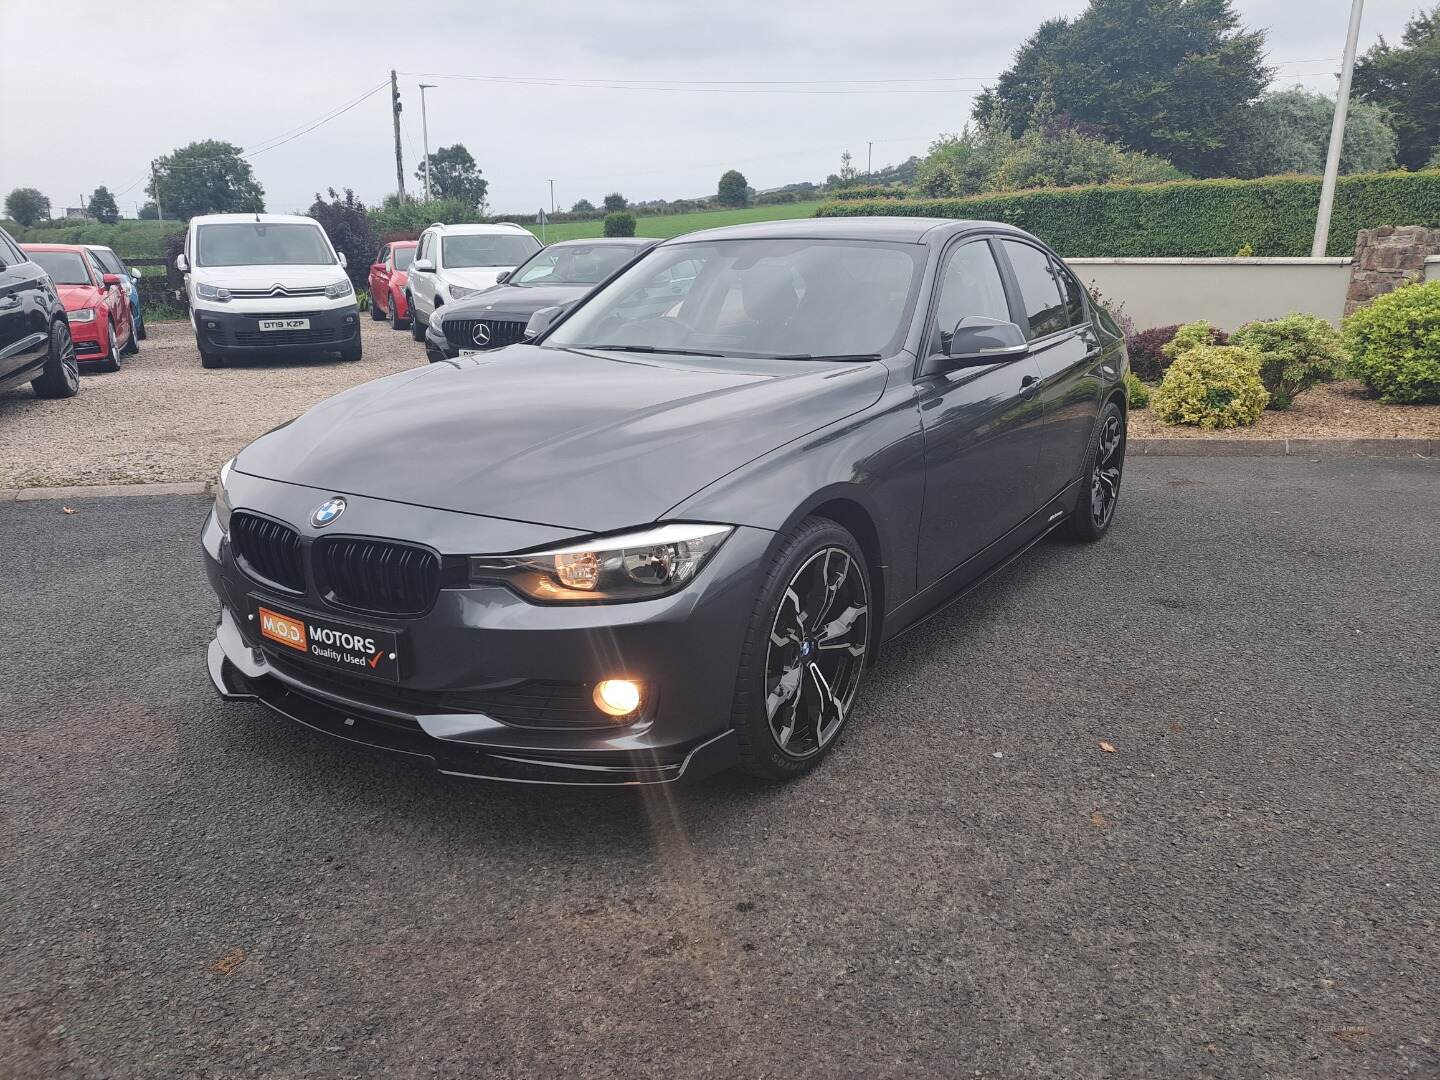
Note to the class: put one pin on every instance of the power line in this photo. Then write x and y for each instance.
(678, 88)
(333, 114)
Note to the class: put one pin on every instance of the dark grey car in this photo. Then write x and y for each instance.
(667, 536)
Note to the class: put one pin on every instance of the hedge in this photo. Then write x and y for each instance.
(872, 191)
(1187, 218)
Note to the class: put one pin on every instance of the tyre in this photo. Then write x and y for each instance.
(133, 345)
(804, 652)
(375, 313)
(208, 359)
(417, 328)
(396, 322)
(1100, 489)
(111, 360)
(60, 377)
(140, 330)
(353, 351)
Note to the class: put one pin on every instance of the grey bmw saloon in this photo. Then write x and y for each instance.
(666, 534)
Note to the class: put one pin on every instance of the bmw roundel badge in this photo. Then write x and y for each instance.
(328, 511)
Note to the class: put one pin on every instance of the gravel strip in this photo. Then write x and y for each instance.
(164, 418)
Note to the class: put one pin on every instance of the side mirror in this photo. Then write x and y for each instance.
(135, 272)
(422, 265)
(541, 321)
(110, 280)
(182, 264)
(980, 340)
(343, 261)
(502, 277)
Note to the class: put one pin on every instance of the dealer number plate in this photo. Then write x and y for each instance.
(284, 324)
(342, 646)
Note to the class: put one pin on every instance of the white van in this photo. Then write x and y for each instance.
(262, 283)
(455, 261)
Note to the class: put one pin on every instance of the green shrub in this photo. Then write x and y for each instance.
(414, 216)
(1191, 336)
(1191, 218)
(874, 191)
(1136, 392)
(1394, 344)
(1296, 352)
(1211, 386)
(620, 223)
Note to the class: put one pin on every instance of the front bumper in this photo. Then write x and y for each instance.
(437, 346)
(238, 333)
(684, 648)
(90, 340)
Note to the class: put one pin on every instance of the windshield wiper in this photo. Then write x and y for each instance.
(835, 356)
(646, 349)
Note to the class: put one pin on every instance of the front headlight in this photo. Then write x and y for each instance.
(83, 315)
(222, 498)
(212, 292)
(339, 289)
(459, 292)
(634, 566)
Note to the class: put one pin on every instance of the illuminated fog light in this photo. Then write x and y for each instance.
(617, 697)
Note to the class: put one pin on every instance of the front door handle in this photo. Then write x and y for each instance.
(1029, 385)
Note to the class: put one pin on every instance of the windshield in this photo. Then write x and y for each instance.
(501, 249)
(108, 260)
(403, 257)
(64, 267)
(257, 244)
(797, 299)
(581, 264)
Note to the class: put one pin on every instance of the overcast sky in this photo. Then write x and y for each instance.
(162, 74)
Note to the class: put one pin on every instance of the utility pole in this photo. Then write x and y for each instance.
(552, 195)
(869, 153)
(395, 115)
(155, 183)
(1337, 135)
(425, 134)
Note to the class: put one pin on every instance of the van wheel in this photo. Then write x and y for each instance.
(60, 377)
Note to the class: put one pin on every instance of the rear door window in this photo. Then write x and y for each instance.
(1039, 291)
(1074, 295)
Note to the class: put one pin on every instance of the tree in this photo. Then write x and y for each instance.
(615, 201)
(454, 175)
(733, 189)
(346, 222)
(26, 206)
(583, 206)
(1061, 155)
(1172, 78)
(207, 177)
(1288, 131)
(102, 206)
(847, 167)
(963, 164)
(619, 223)
(1406, 79)
(148, 210)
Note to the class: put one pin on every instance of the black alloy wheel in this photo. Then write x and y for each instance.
(1105, 465)
(802, 665)
(61, 375)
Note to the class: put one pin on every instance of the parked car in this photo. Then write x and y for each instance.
(453, 262)
(129, 276)
(35, 342)
(667, 537)
(95, 303)
(388, 275)
(267, 283)
(555, 276)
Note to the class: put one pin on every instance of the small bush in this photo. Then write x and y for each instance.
(1147, 351)
(1116, 310)
(620, 223)
(1136, 392)
(1212, 386)
(1296, 352)
(1394, 344)
(874, 191)
(1191, 336)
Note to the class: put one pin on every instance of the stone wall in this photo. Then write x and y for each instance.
(1387, 258)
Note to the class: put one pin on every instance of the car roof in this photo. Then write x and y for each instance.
(904, 230)
(401, 243)
(469, 228)
(74, 249)
(101, 247)
(262, 219)
(612, 241)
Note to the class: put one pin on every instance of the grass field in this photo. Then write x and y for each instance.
(668, 225)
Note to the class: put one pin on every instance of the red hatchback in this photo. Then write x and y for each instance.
(95, 303)
(388, 274)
